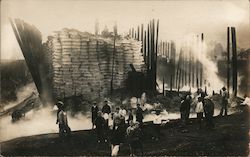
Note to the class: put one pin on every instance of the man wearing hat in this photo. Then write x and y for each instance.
(62, 121)
(106, 110)
(139, 114)
(94, 111)
(224, 101)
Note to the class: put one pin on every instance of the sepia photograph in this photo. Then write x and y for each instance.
(125, 78)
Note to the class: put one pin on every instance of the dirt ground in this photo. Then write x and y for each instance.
(228, 138)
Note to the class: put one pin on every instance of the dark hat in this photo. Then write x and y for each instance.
(59, 103)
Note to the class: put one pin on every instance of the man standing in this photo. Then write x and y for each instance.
(64, 129)
(209, 112)
(100, 127)
(94, 110)
(117, 137)
(199, 111)
(106, 110)
(224, 102)
(139, 115)
(185, 109)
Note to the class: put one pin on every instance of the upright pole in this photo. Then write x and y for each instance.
(201, 66)
(234, 48)
(156, 52)
(163, 87)
(113, 64)
(228, 60)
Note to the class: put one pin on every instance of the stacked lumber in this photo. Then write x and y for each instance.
(82, 63)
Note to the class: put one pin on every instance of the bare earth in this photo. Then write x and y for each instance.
(229, 138)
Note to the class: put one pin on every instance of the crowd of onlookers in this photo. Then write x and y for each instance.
(119, 126)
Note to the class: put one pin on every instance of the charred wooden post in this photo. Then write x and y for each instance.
(185, 67)
(228, 60)
(189, 68)
(133, 32)
(148, 48)
(163, 87)
(145, 47)
(138, 33)
(156, 53)
(178, 74)
(201, 66)
(171, 83)
(113, 63)
(234, 60)
(197, 64)
(152, 54)
(30, 41)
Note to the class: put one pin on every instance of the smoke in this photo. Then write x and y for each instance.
(193, 44)
(21, 94)
(41, 121)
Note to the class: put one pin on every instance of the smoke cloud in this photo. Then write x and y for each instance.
(41, 121)
(21, 93)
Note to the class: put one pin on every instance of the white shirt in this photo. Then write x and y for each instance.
(199, 107)
(122, 112)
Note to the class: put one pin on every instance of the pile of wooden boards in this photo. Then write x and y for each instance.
(84, 64)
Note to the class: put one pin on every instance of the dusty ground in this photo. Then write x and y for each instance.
(229, 138)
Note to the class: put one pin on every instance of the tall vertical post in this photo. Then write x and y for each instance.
(201, 67)
(133, 31)
(171, 83)
(113, 62)
(234, 60)
(163, 86)
(228, 60)
(145, 47)
(197, 62)
(156, 52)
(138, 33)
(148, 49)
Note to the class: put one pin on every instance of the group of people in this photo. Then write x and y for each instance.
(123, 128)
(204, 106)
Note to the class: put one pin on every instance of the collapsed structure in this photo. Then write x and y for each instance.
(85, 64)
(74, 63)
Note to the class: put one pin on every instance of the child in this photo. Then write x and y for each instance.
(134, 136)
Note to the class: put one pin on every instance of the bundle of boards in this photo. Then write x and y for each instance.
(85, 64)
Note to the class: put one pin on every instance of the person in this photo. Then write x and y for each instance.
(199, 111)
(94, 110)
(117, 117)
(143, 98)
(185, 109)
(157, 125)
(209, 112)
(123, 113)
(106, 110)
(130, 116)
(64, 129)
(134, 138)
(117, 137)
(100, 127)
(224, 102)
(139, 115)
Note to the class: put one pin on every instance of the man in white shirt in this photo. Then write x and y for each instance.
(199, 110)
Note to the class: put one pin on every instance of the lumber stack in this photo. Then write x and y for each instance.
(82, 63)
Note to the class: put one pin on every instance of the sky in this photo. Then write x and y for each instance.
(177, 18)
